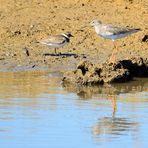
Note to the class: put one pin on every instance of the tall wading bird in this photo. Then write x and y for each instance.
(108, 31)
(57, 41)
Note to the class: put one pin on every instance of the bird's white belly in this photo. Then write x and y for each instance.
(54, 45)
(114, 37)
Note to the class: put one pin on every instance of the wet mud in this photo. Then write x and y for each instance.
(88, 73)
(88, 92)
(25, 22)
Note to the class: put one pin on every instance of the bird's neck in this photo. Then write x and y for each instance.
(66, 37)
(97, 29)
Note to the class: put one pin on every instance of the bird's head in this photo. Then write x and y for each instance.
(67, 34)
(95, 22)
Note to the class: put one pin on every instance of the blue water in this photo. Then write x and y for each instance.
(37, 111)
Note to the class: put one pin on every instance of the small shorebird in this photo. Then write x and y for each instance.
(56, 41)
(108, 31)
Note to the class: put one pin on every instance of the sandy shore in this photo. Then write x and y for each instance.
(24, 22)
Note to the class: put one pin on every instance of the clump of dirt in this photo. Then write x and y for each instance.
(88, 92)
(88, 73)
(138, 67)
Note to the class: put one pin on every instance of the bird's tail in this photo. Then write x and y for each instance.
(136, 30)
(37, 42)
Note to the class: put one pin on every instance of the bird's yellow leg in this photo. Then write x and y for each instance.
(114, 106)
(113, 99)
(55, 50)
(112, 58)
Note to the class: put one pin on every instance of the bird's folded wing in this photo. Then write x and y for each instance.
(53, 40)
(113, 30)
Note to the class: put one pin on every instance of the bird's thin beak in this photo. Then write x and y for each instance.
(71, 35)
(84, 26)
(91, 25)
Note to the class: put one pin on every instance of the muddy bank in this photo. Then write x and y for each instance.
(88, 73)
(24, 22)
(88, 92)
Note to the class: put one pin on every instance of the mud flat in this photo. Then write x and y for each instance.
(24, 22)
(88, 73)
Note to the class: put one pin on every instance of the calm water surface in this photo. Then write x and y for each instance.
(37, 111)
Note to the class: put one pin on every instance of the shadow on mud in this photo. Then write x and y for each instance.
(60, 54)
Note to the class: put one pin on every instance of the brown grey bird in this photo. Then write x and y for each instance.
(57, 41)
(108, 31)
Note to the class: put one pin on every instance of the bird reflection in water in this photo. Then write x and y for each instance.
(113, 126)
